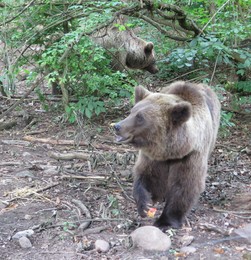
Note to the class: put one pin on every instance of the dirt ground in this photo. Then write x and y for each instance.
(43, 189)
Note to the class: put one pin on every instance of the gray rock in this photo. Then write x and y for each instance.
(24, 174)
(26, 154)
(24, 233)
(24, 242)
(102, 245)
(188, 249)
(186, 240)
(28, 217)
(244, 232)
(125, 173)
(150, 238)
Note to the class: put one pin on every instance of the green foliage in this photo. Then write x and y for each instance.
(42, 98)
(243, 86)
(201, 52)
(68, 59)
(226, 123)
(75, 63)
(226, 119)
(68, 226)
(86, 72)
(113, 205)
(224, 26)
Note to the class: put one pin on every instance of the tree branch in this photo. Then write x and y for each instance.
(161, 29)
(150, 11)
(22, 11)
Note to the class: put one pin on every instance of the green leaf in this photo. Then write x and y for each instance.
(88, 113)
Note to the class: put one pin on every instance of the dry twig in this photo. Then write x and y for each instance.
(69, 156)
(83, 177)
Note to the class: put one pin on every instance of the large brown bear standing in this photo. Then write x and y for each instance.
(128, 50)
(175, 132)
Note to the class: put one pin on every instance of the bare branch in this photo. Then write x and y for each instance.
(22, 11)
(151, 11)
(161, 29)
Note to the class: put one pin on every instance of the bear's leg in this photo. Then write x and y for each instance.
(170, 218)
(185, 183)
(141, 196)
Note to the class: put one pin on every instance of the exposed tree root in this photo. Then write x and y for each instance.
(85, 211)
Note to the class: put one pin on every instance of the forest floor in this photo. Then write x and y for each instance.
(49, 169)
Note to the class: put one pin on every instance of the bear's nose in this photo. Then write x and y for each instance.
(117, 127)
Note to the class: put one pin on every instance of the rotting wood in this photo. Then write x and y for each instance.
(84, 211)
(73, 143)
(69, 156)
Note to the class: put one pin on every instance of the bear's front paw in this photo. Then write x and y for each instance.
(165, 223)
(142, 210)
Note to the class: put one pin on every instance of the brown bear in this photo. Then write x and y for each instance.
(175, 131)
(128, 50)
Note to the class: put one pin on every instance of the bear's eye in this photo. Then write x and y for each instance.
(139, 118)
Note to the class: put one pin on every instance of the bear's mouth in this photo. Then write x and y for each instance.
(123, 139)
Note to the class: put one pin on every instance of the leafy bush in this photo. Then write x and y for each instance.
(201, 52)
(87, 74)
(226, 123)
(243, 86)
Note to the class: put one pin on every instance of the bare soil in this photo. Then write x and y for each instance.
(39, 192)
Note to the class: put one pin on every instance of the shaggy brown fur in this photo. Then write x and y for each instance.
(131, 51)
(175, 132)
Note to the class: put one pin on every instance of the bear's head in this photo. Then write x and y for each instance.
(143, 59)
(156, 124)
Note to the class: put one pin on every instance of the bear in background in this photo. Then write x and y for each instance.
(128, 49)
(175, 131)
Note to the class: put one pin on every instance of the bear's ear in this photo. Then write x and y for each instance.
(148, 48)
(140, 93)
(180, 113)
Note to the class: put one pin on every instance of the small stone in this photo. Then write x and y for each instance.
(24, 242)
(25, 174)
(102, 246)
(28, 217)
(186, 240)
(26, 154)
(125, 173)
(188, 249)
(150, 238)
(244, 232)
(24, 233)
